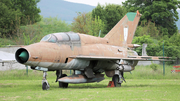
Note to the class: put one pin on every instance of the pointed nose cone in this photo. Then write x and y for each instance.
(24, 56)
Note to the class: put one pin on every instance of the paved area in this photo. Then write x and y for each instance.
(11, 66)
(7, 54)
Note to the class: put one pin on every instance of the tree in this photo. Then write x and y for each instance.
(17, 12)
(147, 29)
(109, 14)
(79, 23)
(145, 39)
(84, 23)
(29, 10)
(94, 25)
(162, 12)
(155, 47)
(9, 18)
(30, 34)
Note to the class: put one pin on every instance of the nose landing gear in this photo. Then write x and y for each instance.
(45, 84)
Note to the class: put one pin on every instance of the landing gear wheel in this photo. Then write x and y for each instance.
(61, 84)
(45, 86)
(115, 79)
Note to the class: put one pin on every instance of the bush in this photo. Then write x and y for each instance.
(154, 66)
(5, 42)
(30, 34)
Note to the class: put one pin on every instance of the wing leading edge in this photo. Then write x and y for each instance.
(133, 58)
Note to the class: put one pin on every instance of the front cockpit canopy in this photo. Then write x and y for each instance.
(49, 38)
(59, 37)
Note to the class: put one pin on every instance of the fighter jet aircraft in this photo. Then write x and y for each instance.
(88, 56)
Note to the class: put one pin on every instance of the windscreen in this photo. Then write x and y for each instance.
(49, 38)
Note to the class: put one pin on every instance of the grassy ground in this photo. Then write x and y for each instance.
(134, 89)
(16, 85)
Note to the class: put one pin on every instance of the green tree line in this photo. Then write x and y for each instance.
(156, 27)
(21, 20)
(30, 34)
(15, 13)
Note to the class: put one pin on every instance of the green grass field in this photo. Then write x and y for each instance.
(142, 84)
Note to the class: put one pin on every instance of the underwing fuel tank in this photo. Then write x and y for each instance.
(81, 79)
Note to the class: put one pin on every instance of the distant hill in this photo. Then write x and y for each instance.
(67, 10)
(62, 9)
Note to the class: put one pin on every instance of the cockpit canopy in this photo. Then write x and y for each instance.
(59, 37)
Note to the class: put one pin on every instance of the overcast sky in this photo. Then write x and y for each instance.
(95, 2)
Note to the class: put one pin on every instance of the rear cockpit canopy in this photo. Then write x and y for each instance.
(61, 37)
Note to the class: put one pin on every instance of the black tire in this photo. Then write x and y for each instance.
(45, 86)
(61, 84)
(115, 79)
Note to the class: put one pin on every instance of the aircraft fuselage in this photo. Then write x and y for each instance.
(87, 55)
(56, 56)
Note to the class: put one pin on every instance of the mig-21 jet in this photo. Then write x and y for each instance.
(88, 56)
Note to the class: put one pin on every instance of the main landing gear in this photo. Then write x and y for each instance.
(118, 78)
(45, 84)
(60, 75)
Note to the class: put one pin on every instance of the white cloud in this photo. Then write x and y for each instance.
(95, 2)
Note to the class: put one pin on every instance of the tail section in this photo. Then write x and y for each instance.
(123, 32)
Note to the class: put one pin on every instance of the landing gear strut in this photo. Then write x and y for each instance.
(115, 79)
(60, 75)
(61, 84)
(45, 84)
(118, 79)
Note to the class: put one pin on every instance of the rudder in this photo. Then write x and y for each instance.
(123, 32)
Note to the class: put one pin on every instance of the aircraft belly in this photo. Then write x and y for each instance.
(42, 64)
(32, 63)
(75, 64)
(128, 68)
(107, 65)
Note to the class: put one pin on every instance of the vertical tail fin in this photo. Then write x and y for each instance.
(123, 32)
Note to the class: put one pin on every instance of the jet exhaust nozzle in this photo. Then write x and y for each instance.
(22, 55)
